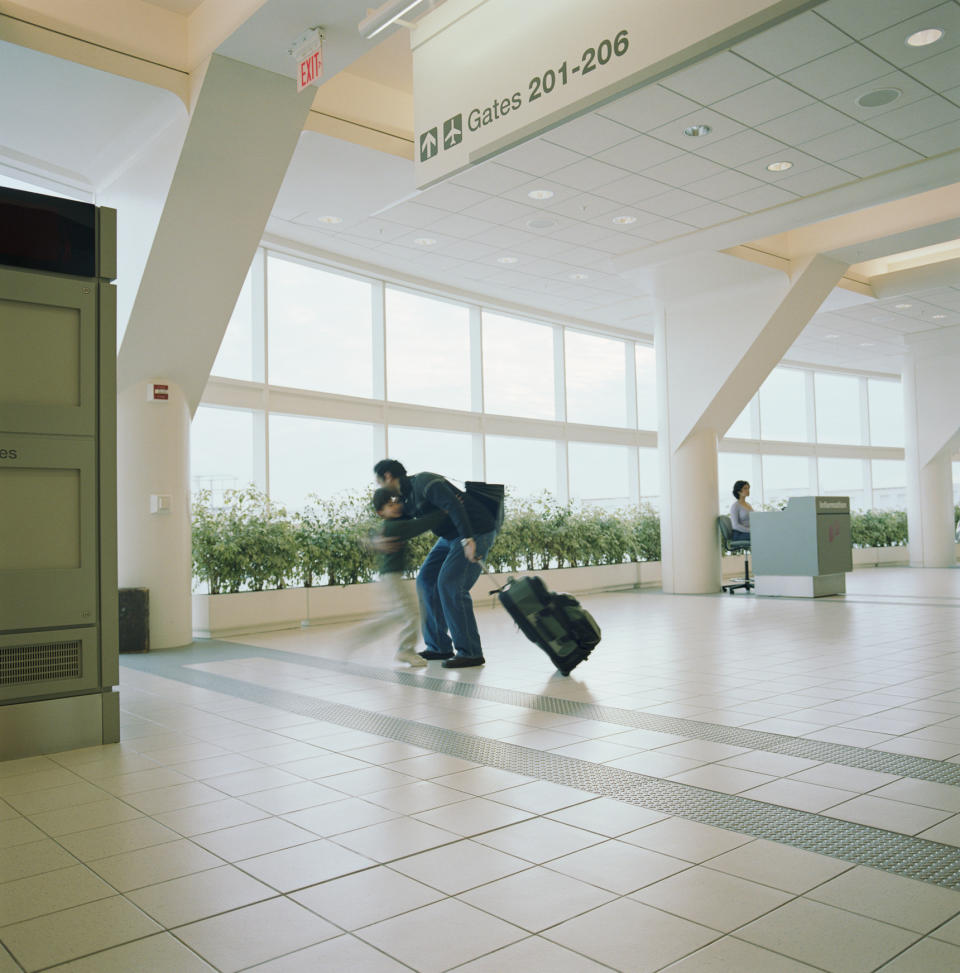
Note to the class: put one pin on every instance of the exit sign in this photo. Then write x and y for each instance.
(308, 52)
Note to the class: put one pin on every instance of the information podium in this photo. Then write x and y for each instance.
(804, 550)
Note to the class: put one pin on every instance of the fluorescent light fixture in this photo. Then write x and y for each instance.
(779, 166)
(624, 220)
(506, 260)
(831, 336)
(938, 317)
(424, 241)
(540, 194)
(694, 130)
(925, 37)
(902, 307)
(385, 15)
(329, 219)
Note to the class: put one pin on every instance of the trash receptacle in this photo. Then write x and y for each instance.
(134, 620)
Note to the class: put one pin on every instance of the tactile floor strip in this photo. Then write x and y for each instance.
(882, 761)
(898, 854)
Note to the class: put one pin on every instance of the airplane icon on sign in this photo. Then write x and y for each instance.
(453, 131)
(428, 144)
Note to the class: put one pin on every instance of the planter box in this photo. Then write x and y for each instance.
(219, 616)
(573, 581)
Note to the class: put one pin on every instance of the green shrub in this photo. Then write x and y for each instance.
(878, 528)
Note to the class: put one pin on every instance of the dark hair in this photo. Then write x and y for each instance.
(391, 467)
(381, 497)
(738, 486)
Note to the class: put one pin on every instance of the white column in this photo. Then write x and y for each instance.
(153, 453)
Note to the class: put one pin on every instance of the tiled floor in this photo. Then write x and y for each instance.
(224, 833)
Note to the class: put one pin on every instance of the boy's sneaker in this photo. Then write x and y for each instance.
(411, 657)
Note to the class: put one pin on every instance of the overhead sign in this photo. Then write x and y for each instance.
(308, 52)
(489, 74)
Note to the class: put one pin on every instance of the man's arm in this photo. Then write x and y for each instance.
(440, 494)
(405, 529)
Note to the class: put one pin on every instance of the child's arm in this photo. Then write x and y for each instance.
(405, 529)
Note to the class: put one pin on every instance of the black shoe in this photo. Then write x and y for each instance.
(431, 654)
(464, 661)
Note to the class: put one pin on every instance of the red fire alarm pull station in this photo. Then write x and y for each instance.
(159, 392)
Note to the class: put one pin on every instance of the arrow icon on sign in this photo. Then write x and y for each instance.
(428, 144)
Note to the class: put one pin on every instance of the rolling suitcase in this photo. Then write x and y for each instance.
(557, 623)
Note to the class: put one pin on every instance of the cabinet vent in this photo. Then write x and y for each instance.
(40, 662)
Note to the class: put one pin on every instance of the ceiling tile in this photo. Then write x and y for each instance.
(588, 174)
(862, 17)
(461, 226)
(723, 184)
(468, 250)
(619, 243)
(741, 148)
(671, 203)
(763, 102)
(848, 141)
(520, 193)
(755, 200)
(689, 168)
(449, 196)
(801, 163)
(838, 71)
(721, 126)
(378, 230)
(711, 214)
(639, 153)
(499, 211)
(581, 233)
(792, 43)
(940, 72)
(583, 206)
(911, 89)
(589, 134)
(807, 123)
(816, 180)
(412, 214)
(503, 236)
(891, 43)
(542, 247)
(953, 94)
(648, 108)
(918, 117)
(665, 229)
(946, 138)
(632, 189)
(538, 157)
(490, 177)
(717, 77)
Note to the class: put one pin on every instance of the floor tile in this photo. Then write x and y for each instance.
(844, 778)
(731, 955)
(158, 863)
(799, 795)
(340, 816)
(459, 866)
(536, 898)
(33, 858)
(688, 840)
(76, 932)
(68, 820)
(896, 816)
(19, 831)
(611, 934)
(225, 813)
(155, 954)
(396, 838)
(250, 781)
(440, 936)
(926, 793)
(116, 838)
(200, 895)
(541, 797)
(533, 954)
(423, 795)
(925, 957)
(539, 840)
(778, 866)
(56, 798)
(292, 797)
(173, 798)
(430, 766)
(38, 780)
(606, 816)
(346, 953)
(255, 838)
(366, 897)
(473, 816)
(711, 898)
(39, 895)
(482, 781)
(304, 865)
(716, 777)
(617, 866)
(254, 934)
(824, 936)
(889, 898)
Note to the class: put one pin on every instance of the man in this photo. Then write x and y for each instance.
(453, 564)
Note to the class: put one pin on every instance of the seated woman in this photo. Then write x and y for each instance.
(740, 511)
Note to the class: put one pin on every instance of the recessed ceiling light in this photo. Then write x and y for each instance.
(624, 220)
(506, 260)
(579, 277)
(925, 37)
(902, 307)
(879, 97)
(424, 241)
(938, 317)
(779, 166)
(866, 344)
(694, 130)
(541, 223)
(832, 336)
(329, 219)
(540, 194)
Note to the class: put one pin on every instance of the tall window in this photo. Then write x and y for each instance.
(428, 351)
(889, 484)
(321, 456)
(221, 450)
(320, 332)
(783, 406)
(434, 451)
(235, 359)
(742, 427)
(838, 408)
(886, 412)
(518, 374)
(649, 476)
(732, 467)
(784, 477)
(596, 380)
(844, 478)
(526, 467)
(646, 387)
(599, 474)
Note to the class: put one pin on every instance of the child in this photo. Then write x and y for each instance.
(402, 601)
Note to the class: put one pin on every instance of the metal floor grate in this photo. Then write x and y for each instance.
(898, 854)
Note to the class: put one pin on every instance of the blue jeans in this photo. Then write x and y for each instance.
(741, 535)
(443, 587)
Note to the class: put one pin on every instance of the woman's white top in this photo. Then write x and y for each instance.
(740, 517)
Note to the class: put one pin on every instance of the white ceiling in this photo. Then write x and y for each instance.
(788, 93)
